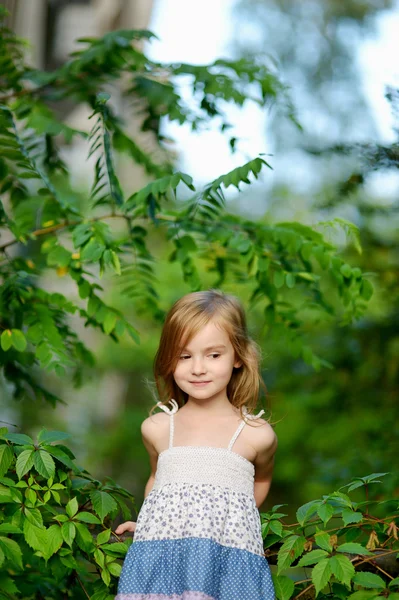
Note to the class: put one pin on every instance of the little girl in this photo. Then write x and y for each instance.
(198, 532)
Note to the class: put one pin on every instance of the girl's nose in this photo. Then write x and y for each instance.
(197, 367)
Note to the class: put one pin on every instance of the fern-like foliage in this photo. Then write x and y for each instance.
(12, 65)
(287, 266)
(210, 202)
(105, 179)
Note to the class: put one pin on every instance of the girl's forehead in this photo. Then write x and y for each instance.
(211, 334)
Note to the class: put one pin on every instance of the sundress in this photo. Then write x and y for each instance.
(198, 531)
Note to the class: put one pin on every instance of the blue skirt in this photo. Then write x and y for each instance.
(193, 569)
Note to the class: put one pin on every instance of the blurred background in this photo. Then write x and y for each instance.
(338, 59)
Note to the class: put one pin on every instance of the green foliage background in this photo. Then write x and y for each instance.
(86, 280)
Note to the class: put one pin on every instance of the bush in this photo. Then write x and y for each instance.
(57, 539)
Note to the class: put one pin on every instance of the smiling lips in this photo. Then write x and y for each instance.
(199, 382)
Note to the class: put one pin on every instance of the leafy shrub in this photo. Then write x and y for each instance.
(291, 268)
(57, 540)
(56, 524)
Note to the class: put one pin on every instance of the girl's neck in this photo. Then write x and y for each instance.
(218, 407)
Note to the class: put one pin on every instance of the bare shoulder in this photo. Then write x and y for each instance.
(153, 427)
(264, 441)
(263, 437)
(153, 431)
(154, 423)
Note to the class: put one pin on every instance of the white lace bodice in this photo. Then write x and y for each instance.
(205, 464)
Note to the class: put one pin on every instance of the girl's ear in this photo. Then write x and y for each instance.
(238, 364)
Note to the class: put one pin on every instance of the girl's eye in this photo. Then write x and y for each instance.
(214, 355)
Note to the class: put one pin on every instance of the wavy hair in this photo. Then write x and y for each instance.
(185, 319)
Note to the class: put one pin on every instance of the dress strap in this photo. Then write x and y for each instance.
(170, 412)
(242, 424)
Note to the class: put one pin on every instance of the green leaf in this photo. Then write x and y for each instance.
(68, 531)
(290, 280)
(353, 548)
(81, 234)
(59, 257)
(19, 438)
(276, 527)
(351, 230)
(62, 457)
(99, 557)
(103, 503)
(369, 580)
(289, 551)
(6, 458)
(6, 340)
(117, 549)
(103, 537)
(306, 250)
(84, 288)
(307, 276)
(312, 557)
(325, 512)
(321, 574)
(61, 518)
(92, 306)
(92, 251)
(12, 551)
(34, 516)
(36, 537)
(346, 270)
(115, 569)
(87, 517)
(364, 595)
(283, 586)
(366, 289)
(322, 539)
(109, 321)
(54, 540)
(188, 243)
(84, 538)
(72, 507)
(134, 334)
(350, 516)
(44, 463)
(24, 462)
(9, 528)
(46, 437)
(115, 262)
(5, 495)
(342, 568)
(18, 340)
(306, 511)
(31, 496)
(105, 576)
(34, 333)
(7, 585)
(278, 278)
(240, 174)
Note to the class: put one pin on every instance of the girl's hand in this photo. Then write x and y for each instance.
(126, 526)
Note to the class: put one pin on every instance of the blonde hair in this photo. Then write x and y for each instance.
(185, 319)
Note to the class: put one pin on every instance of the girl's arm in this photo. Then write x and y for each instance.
(266, 444)
(153, 428)
(148, 486)
(149, 431)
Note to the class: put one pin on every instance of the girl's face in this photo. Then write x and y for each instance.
(205, 366)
